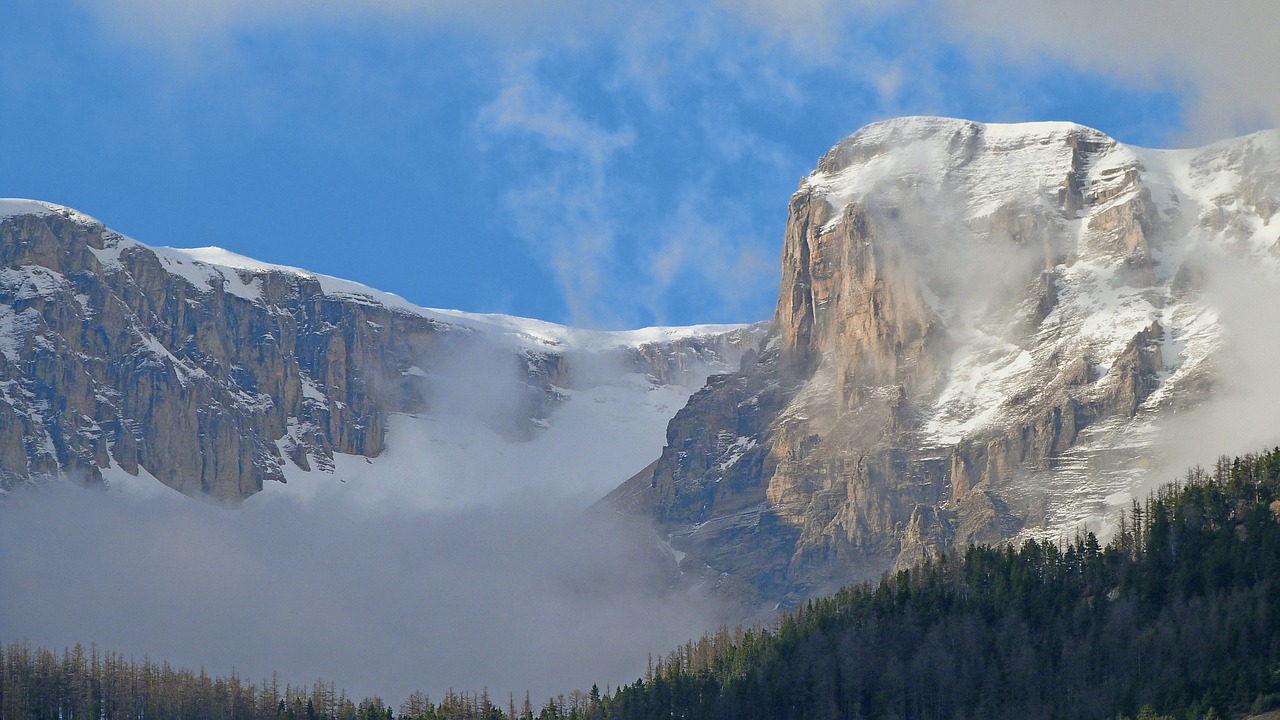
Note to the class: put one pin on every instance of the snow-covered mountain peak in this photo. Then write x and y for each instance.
(964, 168)
(900, 132)
(982, 330)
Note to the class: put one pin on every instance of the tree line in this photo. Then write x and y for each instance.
(39, 684)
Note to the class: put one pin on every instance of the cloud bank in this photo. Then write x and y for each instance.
(508, 598)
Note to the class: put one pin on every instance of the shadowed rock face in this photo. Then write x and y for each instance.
(210, 378)
(977, 327)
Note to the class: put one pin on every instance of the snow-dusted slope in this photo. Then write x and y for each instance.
(222, 375)
(982, 331)
(1134, 254)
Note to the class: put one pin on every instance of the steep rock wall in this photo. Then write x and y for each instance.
(114, 354)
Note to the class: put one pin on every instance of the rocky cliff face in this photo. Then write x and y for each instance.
(977, 328)
(215, 374)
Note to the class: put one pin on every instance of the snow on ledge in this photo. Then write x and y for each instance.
(206, 266)
(14, 207)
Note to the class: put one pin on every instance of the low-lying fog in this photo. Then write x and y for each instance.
(508, 597)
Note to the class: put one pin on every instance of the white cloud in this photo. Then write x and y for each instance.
(1223, 53)
(174, 24)
(1242, 415)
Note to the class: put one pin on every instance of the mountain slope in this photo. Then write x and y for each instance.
(220, 376)
(979, 331)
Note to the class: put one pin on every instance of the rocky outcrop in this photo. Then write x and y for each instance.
(211, 377)
(970, 319)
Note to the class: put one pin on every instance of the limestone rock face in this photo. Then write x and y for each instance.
(210, 371)
(975, 327)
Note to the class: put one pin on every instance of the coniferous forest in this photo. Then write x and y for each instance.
(1177, 617)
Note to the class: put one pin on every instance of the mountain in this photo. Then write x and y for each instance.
(981, 332)
(220, 376)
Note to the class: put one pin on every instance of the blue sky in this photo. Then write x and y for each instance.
(612, 165)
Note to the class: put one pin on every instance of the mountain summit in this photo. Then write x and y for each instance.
(979, 330)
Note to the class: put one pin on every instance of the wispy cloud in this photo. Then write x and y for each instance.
(174, 25)
(562, 204)
(816, 29)
(1222, 54)
(705, 250)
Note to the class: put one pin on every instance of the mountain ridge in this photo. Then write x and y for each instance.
(221, 378)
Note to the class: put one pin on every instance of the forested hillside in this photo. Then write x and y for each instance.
(1179, 615)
